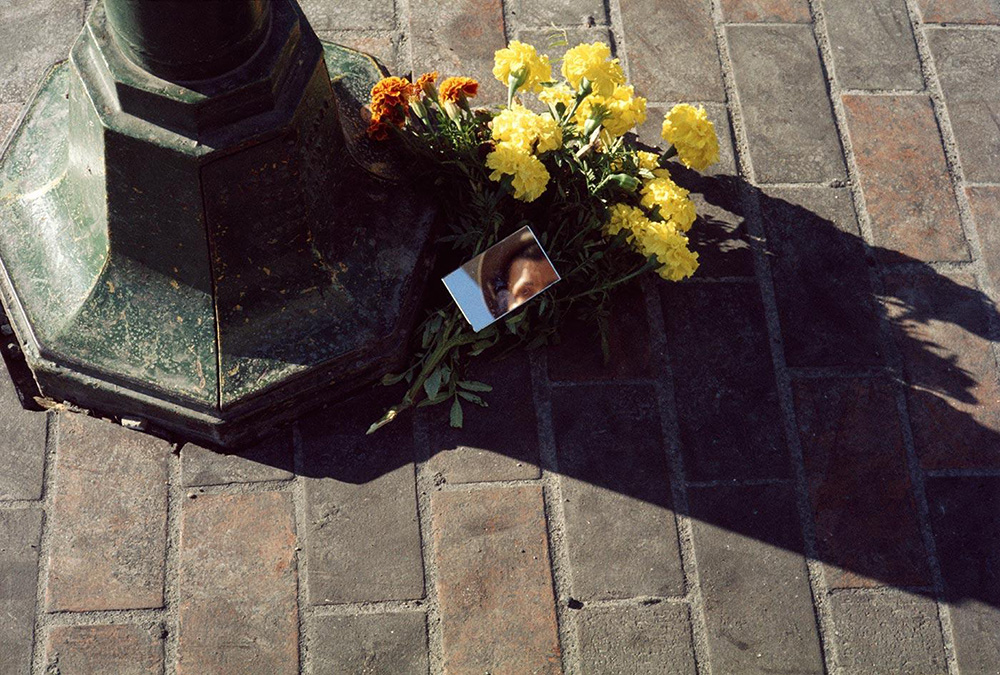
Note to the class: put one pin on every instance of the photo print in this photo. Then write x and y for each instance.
(501, 278)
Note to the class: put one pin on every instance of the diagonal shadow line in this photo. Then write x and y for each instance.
(609, 450)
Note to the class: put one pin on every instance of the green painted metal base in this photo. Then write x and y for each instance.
(208, 261)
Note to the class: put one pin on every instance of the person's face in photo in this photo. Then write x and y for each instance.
(527, 275)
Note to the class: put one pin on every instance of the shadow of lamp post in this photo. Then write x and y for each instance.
(195, 230)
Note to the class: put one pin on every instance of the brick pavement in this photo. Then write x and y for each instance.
(791, 464)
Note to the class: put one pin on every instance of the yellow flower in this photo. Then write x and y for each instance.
(624, 110)
(527, 130)
(592, 62)
(654, 238)
(530, 175)
(559, 93)
(673, 201)
(689, 130)
(647, 160)
(519, 56)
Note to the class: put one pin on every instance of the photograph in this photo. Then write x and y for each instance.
(501, 278)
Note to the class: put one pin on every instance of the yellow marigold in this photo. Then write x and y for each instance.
(647, 160)
(671, 250)
(517, 56)
(592, 62)
(689, 130)
(530, 175)
(624, 110)
(527, 130)
(654, 238)
(559, 93)
(453, 88)
(671, 198)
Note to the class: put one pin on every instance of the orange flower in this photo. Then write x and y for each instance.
(424, 82)
(390, 98)
(454, 88)
(378, 130)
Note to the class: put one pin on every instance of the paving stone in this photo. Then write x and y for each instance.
(620, 527)
(362, 530)
(647, 640)
(754, 582)
(872, 44)
(967, 62)
(727, 400)
(495, 443)
(237, 585)
(494, 584)
(382, 47)
(346, 14)
(20, 537)
(671, 50)
(103, 650)
(578, 357)
(33, 36)
(859, 486)
(959, 11)
(908, 193)
(543, 38)
(965, 516)
(393, 644)
(459, 38)
(985, 203)
(783, 96)
(269, 460)
(887, 632)
(109, 517)
(561, 12)
(766, 11)
(719, 234)
(826, 305)
(22, 445)
(941, 324)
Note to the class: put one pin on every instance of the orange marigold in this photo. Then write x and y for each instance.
(390, 97)
(453, 88)
(424, 81)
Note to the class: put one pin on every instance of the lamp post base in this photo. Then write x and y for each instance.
(211, 278)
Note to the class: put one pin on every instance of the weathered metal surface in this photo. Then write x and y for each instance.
(211, 272)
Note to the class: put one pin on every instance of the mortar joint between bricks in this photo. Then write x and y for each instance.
(670, 430)
(555, 519)
(890, 348)
(754, 226)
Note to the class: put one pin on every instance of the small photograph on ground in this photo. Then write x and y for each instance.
(501, 278)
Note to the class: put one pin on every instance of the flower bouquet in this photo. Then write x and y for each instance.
(559, 158)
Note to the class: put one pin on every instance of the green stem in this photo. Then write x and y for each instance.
(653, 264)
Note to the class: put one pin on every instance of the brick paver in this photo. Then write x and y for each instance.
(616, 493)
(372, 643)
(905, 180)
(107, 649)
(791, 462)
(495, 589)
(237, 585)
(109, 518)
(782, 93)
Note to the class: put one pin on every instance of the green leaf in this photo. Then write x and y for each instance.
(433, 383)
(473, 398)
(473, 385)
(389, 379)
(456, 414)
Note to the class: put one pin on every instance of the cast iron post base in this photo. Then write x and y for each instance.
(211, 257)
